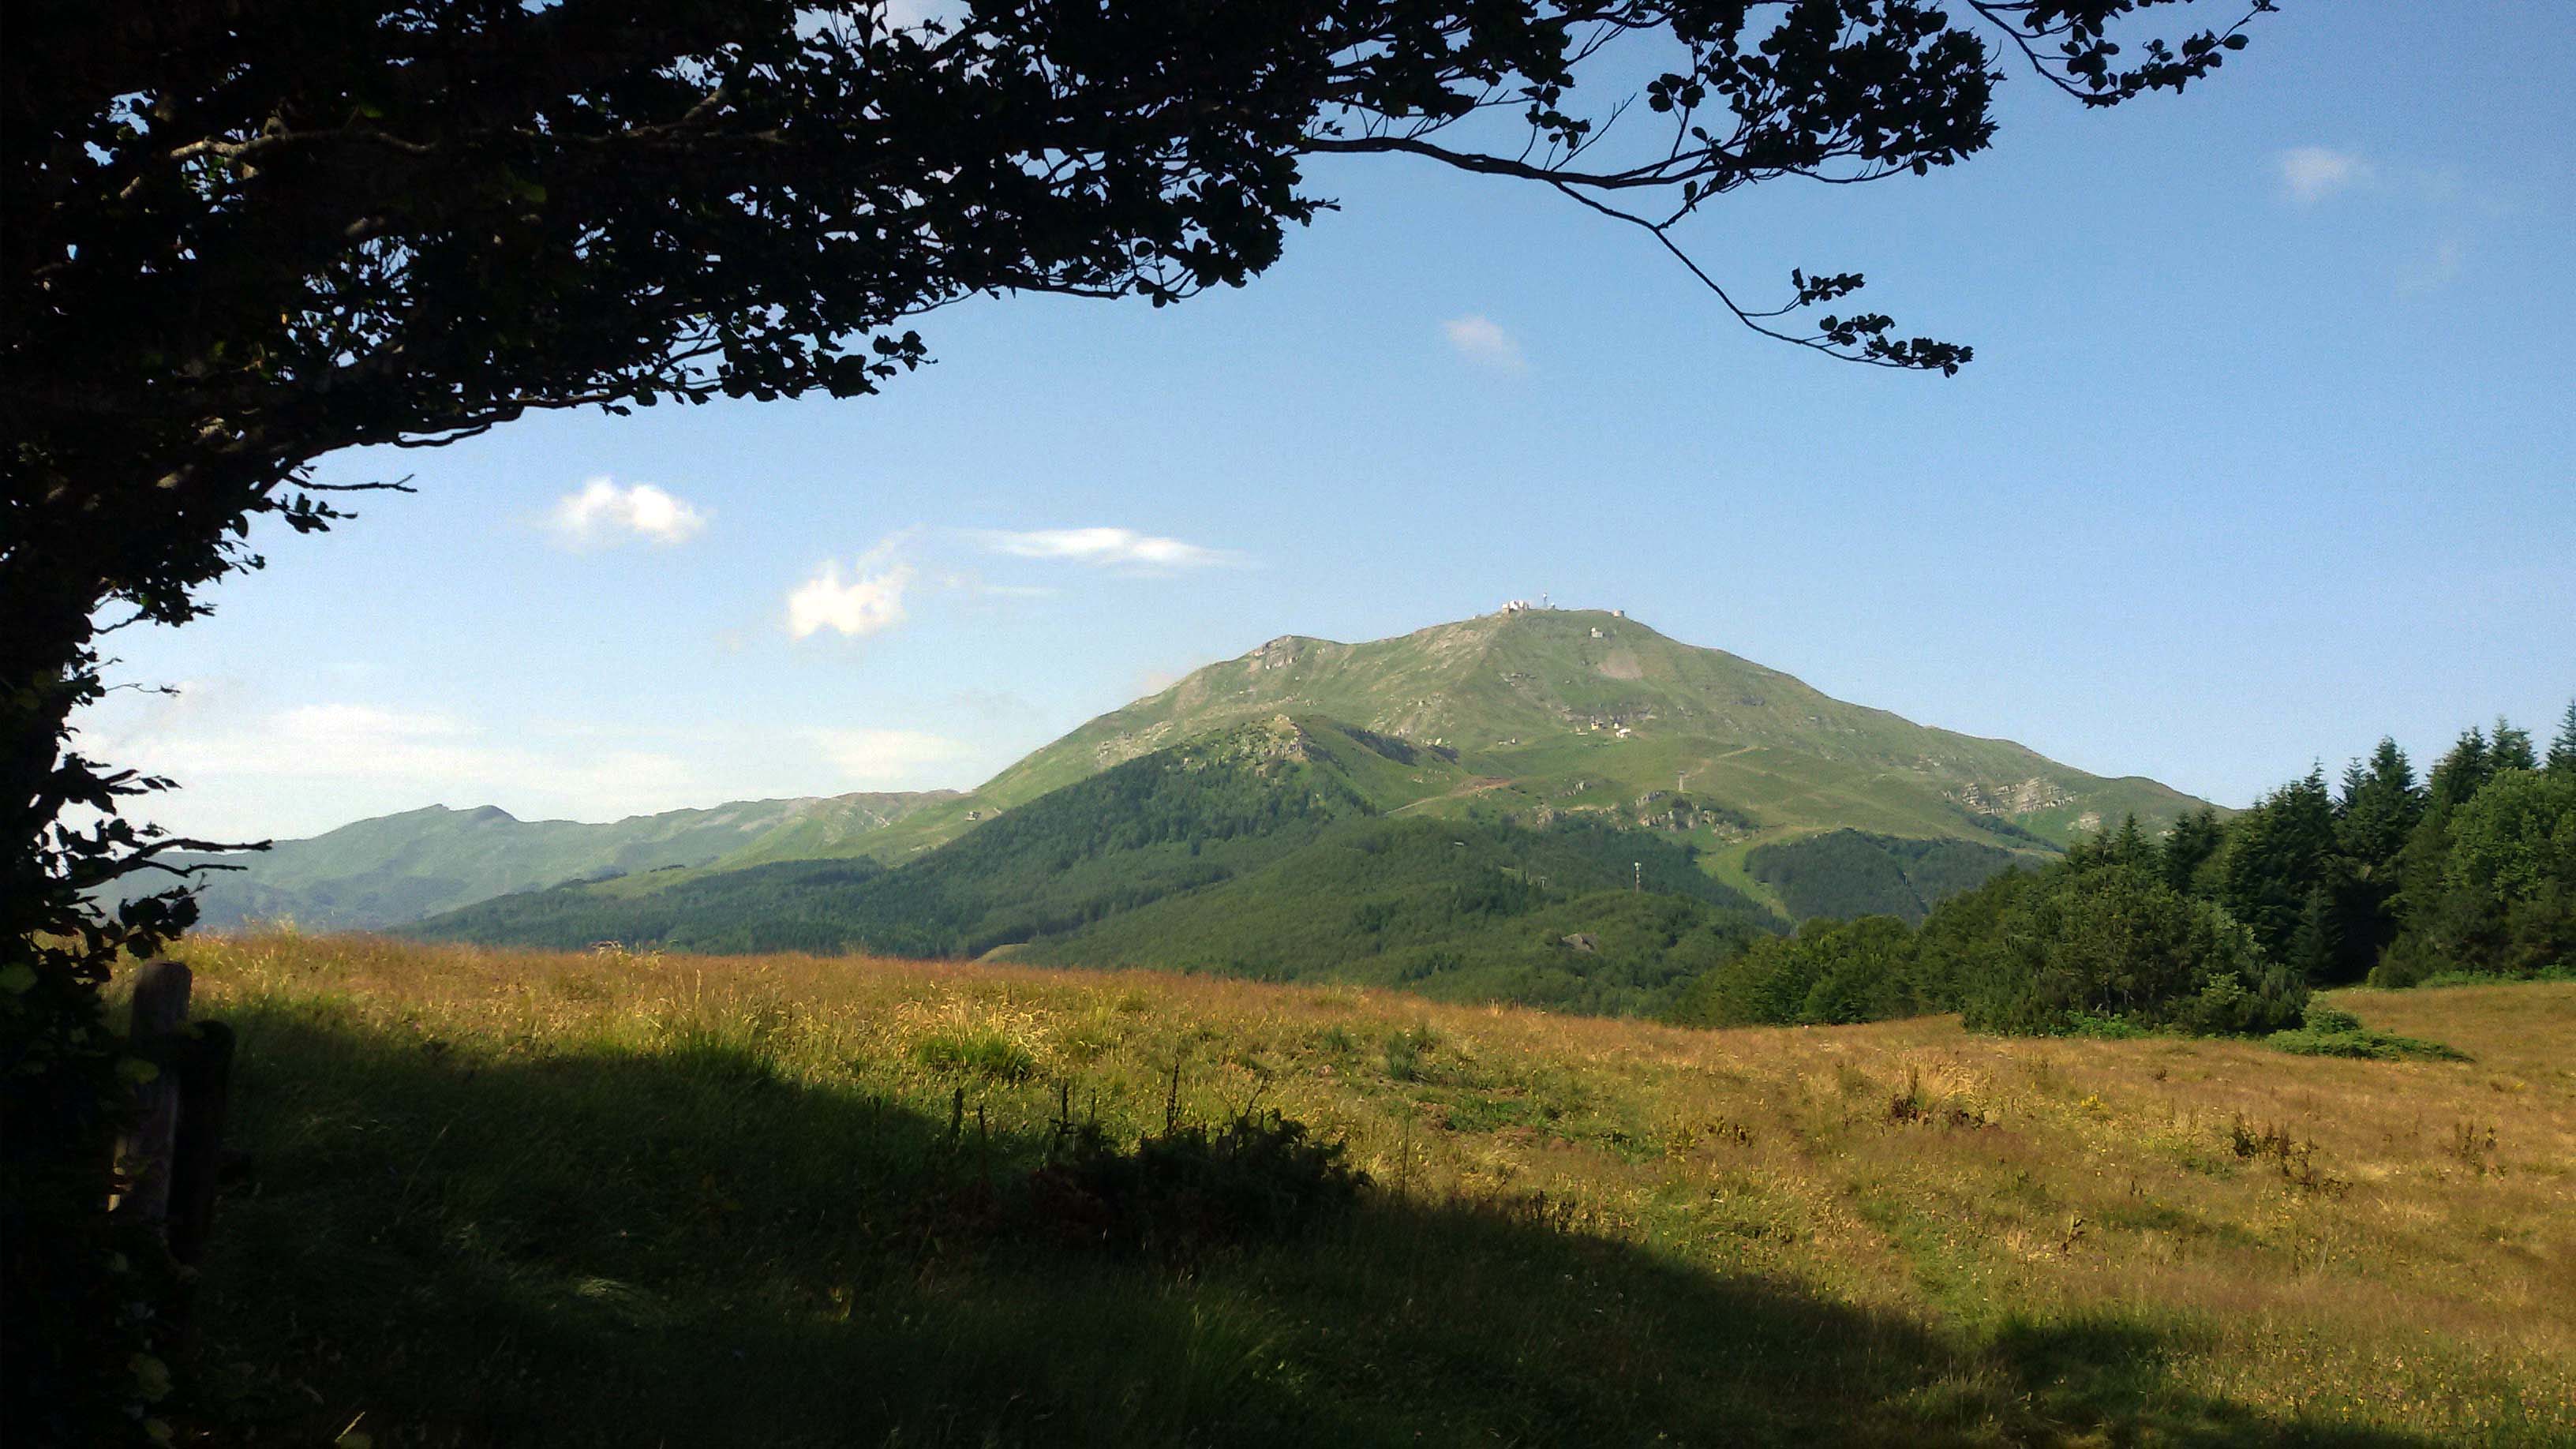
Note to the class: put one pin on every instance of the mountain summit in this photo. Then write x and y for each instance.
(1527, 718)
(1578, 711)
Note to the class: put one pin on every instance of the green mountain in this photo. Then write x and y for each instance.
(1277, 849)
(1578, 713)
(1519, 732)
(398, 868)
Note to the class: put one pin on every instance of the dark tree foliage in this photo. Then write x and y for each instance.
(1830, 973)
(2562, 750)
(244, 235)
(2225, 925)
(1842, 874)
(2185, 859)
(2116, 944)
(2277, 856)
(2379, 808)
(2511, 749)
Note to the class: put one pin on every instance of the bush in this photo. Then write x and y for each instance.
(1261, 1177)
(2114, 943)
(1830, 973)
(986, 1054)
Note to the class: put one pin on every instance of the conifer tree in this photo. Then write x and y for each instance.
(2457, 775)
(2130, 846)
(2378, 810)
(2189, 848)
(2276, 855)
(2562, 750)
(2512, 749)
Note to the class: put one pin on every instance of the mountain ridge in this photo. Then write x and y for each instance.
(1530, 696)
(389, 869)
(1535, 716)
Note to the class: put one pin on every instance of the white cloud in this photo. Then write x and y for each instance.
(1105, 548)
(249, 772)
(870, 603)
(600, 514)
(254, 769)
(890, 757)
(1480, 339)
(2313, 173)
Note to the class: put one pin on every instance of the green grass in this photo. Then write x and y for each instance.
(2332, 1033)
(507, 1198)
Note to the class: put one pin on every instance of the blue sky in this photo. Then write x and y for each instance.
(2268, 451)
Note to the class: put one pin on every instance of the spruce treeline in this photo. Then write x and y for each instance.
(2220, 925)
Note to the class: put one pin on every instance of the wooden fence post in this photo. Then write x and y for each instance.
(160, 1024)
(205, 1068)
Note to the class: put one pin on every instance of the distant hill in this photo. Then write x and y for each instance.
(1276, 849)
(1552, 713)
(1529, 719)
(398, 868)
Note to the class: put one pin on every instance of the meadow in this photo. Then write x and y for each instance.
(507, 1197)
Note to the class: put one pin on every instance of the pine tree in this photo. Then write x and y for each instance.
(2378, 810)
(2512, 749)
(2315, 946)
(2189, 848)
(2130, 846)
(2562, 750)
(2459, 773)
(2380, 804)
(2277, 855)
(2424, 903)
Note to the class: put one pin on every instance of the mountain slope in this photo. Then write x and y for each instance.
(1276, 849)
(1180, 818)
(1583, 712)
(397, 868)
(1526, 718)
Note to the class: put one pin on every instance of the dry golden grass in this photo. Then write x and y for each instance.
(2359, 1245)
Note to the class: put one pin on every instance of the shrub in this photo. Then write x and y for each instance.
(2328, 1032)
(1262, 1177)
(1831, 972)
(1405, 1051)
(986, 1054)
(2114, 943)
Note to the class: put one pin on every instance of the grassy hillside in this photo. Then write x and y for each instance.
(1525, 719)
(397, 868)
(1557, 711)
(1266, 851)
(600, 1199)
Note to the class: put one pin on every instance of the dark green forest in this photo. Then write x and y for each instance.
(2221, 924)
(1259, 853)
(1843, 874)
(1164, 823)
(1576, 917)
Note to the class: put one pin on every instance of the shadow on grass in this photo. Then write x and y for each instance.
(684, 1248)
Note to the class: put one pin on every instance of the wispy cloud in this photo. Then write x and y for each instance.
(309, 767)
(2310, 174)
(2438, 270)
(1481, 340)
(601, 514)
(1104, 548)
(870, 603)
(890, 757)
